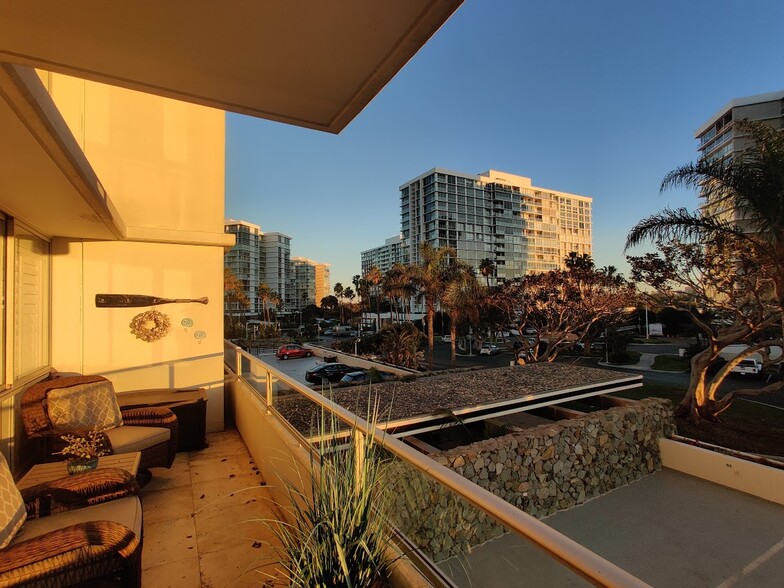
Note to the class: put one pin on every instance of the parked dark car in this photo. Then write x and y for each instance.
(292, 350)
(357, 377)
(363, 376)
(328, 372)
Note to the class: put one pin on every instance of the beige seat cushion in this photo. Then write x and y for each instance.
(130, 438)
(125, 511)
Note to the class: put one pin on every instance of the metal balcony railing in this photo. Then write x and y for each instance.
(558, 548)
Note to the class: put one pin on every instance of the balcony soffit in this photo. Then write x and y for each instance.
(47, 181)
(311, 64)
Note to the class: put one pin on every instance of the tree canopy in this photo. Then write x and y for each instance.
(559, 307)
(725, 260)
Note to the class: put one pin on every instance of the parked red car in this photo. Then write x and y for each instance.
(293, 350)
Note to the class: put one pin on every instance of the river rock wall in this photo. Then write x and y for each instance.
(540, 470)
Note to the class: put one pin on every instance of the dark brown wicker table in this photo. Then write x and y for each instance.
(46, 472)
(190, 406)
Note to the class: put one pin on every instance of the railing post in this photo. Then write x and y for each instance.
(269, 389)
(359, 460)
(238, 355)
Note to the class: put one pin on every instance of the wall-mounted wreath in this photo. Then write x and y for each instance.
(150, 325)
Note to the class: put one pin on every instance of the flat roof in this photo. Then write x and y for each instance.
(667, 529)
(438, 401)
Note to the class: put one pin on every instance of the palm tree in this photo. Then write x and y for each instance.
(374, 277)
(277, 302)
(744, 210)
(356, 279)
(487, 269)
(349, 295)
(744, 197)
(462, 298)
(234, 293)
(265, 293)
(338, 290)
(392, 285)
(428, 277)
(575, 261)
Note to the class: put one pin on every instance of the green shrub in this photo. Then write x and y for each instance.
(671, 363)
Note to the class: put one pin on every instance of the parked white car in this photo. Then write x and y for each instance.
(489, 349)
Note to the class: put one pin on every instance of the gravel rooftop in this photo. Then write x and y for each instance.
(434, 395)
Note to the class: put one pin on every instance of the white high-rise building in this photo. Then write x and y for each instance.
(258, 258)
(244, 259)
(275, 263)
(720, 140)
(309, 283)
(494, 215)
(385, 256)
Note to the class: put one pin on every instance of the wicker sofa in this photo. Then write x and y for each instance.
(153, 431)
(71, 531)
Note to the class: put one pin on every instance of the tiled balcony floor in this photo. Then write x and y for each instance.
(201, 520)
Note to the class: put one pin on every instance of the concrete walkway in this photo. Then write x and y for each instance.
(645, 364)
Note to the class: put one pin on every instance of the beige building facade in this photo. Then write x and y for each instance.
(162, 163)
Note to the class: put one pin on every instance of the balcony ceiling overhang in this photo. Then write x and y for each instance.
(46, 180)
(311, 64)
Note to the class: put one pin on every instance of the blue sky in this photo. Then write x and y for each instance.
(596, 98)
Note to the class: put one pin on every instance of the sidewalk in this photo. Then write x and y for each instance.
(645, 364)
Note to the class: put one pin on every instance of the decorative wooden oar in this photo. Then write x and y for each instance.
(133, 300)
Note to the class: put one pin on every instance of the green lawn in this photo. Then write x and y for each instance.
(670, 363)
(745, 426)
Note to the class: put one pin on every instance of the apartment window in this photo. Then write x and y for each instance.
(31, 302)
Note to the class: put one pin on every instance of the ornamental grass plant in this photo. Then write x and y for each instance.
(335, 534)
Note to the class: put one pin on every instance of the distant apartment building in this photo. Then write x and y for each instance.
(385, 256)
(502, 217)
(323, 285)
(275, 263)
(309, 283)
(244, 259)
(258, 258)
(720, 139)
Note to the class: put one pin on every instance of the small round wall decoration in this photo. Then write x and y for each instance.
(150, 325)
(199, 335)
(187, 323)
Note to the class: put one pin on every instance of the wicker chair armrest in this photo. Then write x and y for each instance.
(66, 548)
(71, 492)
(149, 416)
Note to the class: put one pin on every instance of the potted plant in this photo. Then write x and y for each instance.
(335, 532)
(83, 451)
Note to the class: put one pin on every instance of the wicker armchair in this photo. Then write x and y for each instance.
(94, 531)
(152, 431)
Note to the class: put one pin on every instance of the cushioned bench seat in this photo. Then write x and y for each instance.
(125, 511)
(130, 438)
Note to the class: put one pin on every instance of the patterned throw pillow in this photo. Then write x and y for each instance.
(92, 405)
(13, 513)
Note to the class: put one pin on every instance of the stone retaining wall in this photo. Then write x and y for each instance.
(540, 470)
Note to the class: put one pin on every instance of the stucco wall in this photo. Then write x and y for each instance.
(162, 164)
(541, 470)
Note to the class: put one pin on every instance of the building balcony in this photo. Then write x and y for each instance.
(206, 519)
